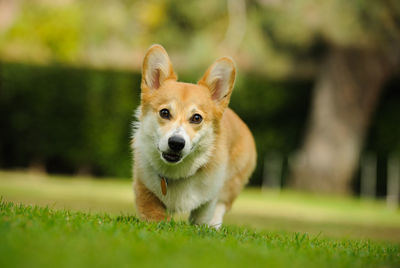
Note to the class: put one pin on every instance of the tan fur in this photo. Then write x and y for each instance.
(242, 152)
(148, 205)
(234, 144)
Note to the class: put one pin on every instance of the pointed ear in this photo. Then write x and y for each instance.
(220, 78)
(156, 68)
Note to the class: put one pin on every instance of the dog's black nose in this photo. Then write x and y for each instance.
(176, 143)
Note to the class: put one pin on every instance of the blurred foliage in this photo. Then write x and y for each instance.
(276, 37)
(69, 119)
(74, 119)
(78, 118)
(384, 135)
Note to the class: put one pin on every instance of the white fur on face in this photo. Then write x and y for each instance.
(176, 130)
(152, 142)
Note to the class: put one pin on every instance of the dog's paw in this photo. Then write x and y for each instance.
(216, 226)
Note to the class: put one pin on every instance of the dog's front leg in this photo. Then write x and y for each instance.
(148, 206)
(203, 214)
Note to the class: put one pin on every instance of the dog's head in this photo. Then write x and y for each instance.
(181, 120)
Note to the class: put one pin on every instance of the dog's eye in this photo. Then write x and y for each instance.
(196, 119)
(164, 113)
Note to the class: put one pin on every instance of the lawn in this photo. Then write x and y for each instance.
(42, 237)
(83, 222)
(286, 211)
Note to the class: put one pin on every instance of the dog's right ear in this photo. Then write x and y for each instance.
(156, 68)
(220, 78)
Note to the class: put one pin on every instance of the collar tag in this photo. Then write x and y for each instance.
(164, 185)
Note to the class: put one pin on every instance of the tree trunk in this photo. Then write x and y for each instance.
(345, 96)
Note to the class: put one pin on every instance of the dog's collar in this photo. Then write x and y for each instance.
(164, 181)
(163, 184)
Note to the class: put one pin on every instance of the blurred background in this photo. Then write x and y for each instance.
(318, 84)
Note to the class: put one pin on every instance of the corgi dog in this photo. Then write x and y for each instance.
(191, 152)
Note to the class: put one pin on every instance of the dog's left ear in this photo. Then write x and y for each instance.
(156, 68)
(220, 78)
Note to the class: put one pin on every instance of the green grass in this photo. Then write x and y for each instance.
(43, 237)
(338, 217)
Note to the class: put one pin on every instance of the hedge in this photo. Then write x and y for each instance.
(76, 119)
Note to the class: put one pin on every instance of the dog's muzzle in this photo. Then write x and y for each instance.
(175, 143)
(172, 157)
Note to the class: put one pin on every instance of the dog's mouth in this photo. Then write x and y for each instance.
(171, 157)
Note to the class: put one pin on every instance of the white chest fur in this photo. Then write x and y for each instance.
(184, 195)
